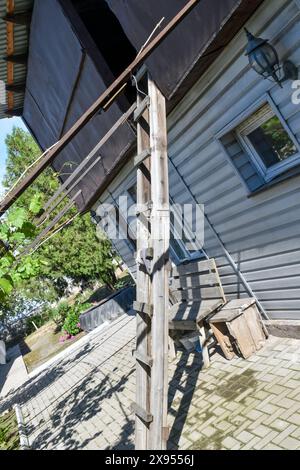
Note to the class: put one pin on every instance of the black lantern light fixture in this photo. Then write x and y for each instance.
(263, 58)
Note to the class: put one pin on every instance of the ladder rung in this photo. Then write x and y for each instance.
(141, 307)
(147, 360)
(144, 209)
(146, 253)
(142, 156)
(141, 108)
(141, 413)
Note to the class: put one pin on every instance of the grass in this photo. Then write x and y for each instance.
(9, 436)
(43, 344)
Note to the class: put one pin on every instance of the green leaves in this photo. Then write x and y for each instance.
(74, 253)
(29, 230)
(17, 217)
(36, 204)
(5, 286)
(4, 231)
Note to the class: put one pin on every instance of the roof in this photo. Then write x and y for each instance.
(18, 44)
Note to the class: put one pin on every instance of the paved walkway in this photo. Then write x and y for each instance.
(13, 374)
(83, 401)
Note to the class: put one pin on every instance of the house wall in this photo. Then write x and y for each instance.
(125, 180)
(260, 231)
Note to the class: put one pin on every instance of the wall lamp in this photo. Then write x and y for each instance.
(263, 58)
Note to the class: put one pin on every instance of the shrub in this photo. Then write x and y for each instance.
(60, 313)
(71, 325)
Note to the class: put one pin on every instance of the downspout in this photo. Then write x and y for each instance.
(226, 253)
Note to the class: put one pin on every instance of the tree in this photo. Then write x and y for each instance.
(75, 252)
(15, 232)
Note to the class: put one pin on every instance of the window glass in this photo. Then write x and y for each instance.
(272, 142)
(269, 142)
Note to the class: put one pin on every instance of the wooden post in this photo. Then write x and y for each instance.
(160, 234)
(143, 292)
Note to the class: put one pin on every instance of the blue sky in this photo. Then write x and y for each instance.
(6, 126)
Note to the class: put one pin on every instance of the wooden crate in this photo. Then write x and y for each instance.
(238, 328)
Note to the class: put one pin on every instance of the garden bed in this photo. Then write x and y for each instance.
(43, 344)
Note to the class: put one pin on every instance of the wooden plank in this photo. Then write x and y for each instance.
(147, 360)
(51, 225)
(194, 267)
(16, 58)
(257, 333)
(142, 307)
(182, 325)
(16, 87)
(194, 311)
(240, 330)
(221, 333)
(139, 159)
(143, 297)
(23, 18)
(194, 280)
(14, 111)
(239, 303)
(141, 413)
(100, 103)
(63, 195)
(200, 293)
(160, 228)
(138, 113)
(226, 315)
(65, 187)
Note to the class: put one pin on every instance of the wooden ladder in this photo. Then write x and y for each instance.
(152, 297)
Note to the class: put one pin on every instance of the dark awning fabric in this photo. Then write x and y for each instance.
(62, 82)
(179, 52)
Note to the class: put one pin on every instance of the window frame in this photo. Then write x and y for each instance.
(260, 116)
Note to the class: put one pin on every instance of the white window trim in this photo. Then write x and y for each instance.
(246, 127)
(195, 253)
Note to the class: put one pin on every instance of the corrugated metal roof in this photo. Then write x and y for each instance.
(21, 38)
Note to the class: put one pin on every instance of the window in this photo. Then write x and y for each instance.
(268, 142)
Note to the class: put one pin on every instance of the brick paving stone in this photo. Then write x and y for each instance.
(229, 443)
(244, 437)
(223, 425)
(209, 431)
(279, 424)
(261, 430)
(261, 444)
(290, 411)
(294, 419)
(286, 433)
(296, 433)
(289, 443)
(251, 444)
(84, 400)
(291, 383)
(254, 414)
